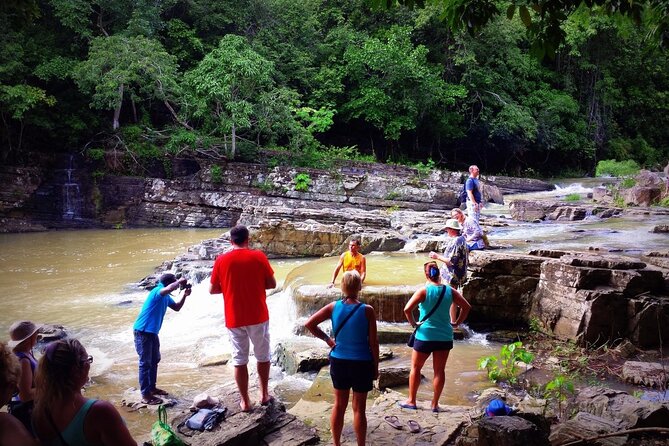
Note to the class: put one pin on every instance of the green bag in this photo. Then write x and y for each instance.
(161, 432)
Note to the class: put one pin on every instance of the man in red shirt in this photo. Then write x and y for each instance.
(243, 275)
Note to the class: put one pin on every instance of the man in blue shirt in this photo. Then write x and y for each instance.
(474, 196)
(146, 328)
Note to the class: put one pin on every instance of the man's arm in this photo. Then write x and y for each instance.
(336, 271)
(215, 288)
(270, 282)
(173, 286)
(363, 267)
(176, 306)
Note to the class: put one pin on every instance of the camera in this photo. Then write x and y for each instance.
(186, 286)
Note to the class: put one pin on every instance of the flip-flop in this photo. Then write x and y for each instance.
(153, 401)
(393, 421)
(407, 406)
(414, 427)
(437, 409)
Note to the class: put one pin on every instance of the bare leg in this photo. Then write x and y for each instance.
(359, 417)
(337, 415)
(417, 362)
(242, 380)
(439, 359)
(263, 380)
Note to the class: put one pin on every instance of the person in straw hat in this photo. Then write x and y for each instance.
(12, 431)
(455, 259)
(23, 336)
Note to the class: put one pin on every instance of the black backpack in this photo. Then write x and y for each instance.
(462, 198)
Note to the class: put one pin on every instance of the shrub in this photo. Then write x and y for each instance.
(504, 368)
(616, 168)
(302, 182)
(216, 174)
(573, 197)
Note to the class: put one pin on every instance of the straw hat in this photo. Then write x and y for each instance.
(20, 331)
(453, 224)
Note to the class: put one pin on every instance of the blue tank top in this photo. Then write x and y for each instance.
(73, 434)
(438, 326)
(353, 338)
(33, 366)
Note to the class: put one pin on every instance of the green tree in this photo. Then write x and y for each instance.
(225, 86)
(391, 86)
(136, 68)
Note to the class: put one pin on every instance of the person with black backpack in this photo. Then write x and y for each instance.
(474, 196)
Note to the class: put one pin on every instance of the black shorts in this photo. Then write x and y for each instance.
(349, 374)
(431, 346)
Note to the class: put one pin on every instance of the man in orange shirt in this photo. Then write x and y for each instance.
(243, 275)
(351, 260)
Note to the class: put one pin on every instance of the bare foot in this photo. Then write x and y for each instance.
(245, 406)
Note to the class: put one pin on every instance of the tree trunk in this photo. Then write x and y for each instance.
(134, 111)
(234, 140)
(174, 115)
(117, 112)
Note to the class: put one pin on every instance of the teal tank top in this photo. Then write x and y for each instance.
(438, 326)
(353, 338)
(74, 432)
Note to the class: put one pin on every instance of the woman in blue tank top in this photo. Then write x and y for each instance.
(437, 304)
(62, 415)
(354, 358)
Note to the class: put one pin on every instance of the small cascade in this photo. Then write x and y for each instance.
(72, 199)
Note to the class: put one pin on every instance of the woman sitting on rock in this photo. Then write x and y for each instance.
(354, 358)
(434, 333)
(12, 431)
(62, 415)
(23, 336)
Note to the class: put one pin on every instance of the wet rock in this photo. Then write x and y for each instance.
(592, 298)
(568, 213)
(309, 354)
(651, 374)
(641, 196)
(501, 286)
(393, 333)
(392, 377)
(437, 429)
(51, 332)
(618, 406)
(660, 229)
(270, 424)
(388, 301)
(215, 361)
(626, 349)
(503, 431)
(585, 425)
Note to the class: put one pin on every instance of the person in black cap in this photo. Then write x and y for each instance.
(146, 328)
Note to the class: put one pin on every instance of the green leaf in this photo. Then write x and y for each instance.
(525, 16)
(510, 11)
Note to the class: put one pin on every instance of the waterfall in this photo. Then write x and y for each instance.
(71, 195)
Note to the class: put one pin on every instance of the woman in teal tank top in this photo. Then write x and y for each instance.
(354, 358)
(434, 331)
(62, 415)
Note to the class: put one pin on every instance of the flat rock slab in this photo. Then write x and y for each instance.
(652, 374)
(585, 425)
(269, 425)
(436, 428)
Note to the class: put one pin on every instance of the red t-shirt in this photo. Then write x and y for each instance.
(241, 274)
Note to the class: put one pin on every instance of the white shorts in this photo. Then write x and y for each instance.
(258, 335)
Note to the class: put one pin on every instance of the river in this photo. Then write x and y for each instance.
(84, 280)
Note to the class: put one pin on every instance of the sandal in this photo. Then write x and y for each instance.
(393, 421)
(407, 406)
(158, 391)
(152, 401)
(414, 427)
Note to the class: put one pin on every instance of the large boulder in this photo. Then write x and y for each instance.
(630, 412)
(503, 431)
(501, 286)
(594, 299)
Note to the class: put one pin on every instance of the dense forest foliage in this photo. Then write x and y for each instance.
(308, 81)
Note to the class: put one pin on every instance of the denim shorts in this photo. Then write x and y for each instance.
(349, 374)
(432, 346)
